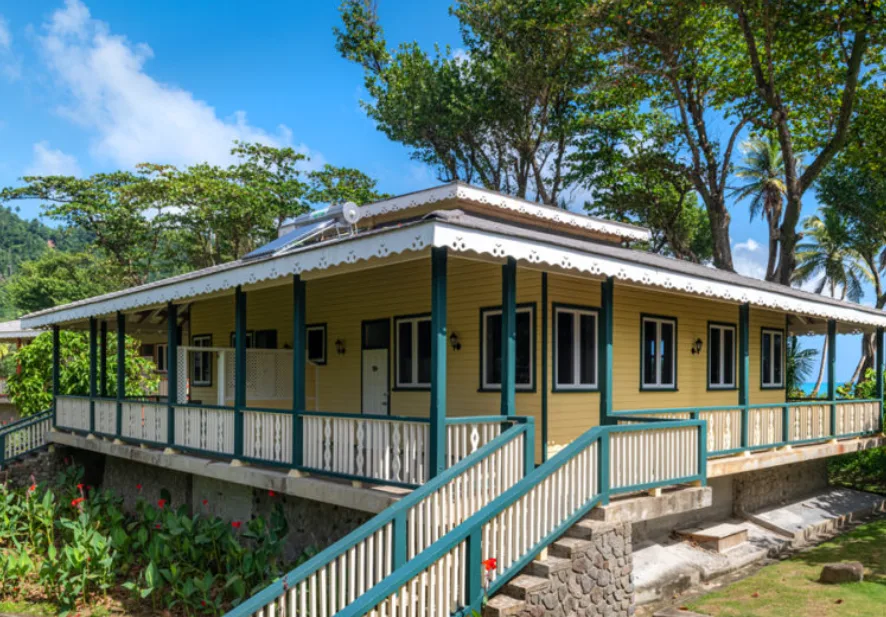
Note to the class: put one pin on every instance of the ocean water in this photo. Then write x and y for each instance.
(809, 385)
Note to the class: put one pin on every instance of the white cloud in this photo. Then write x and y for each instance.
(10, 65)
(5, 35)
(135, 117)
(52, 162)
(749, 260)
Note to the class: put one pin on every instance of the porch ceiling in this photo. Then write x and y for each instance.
(466, 236)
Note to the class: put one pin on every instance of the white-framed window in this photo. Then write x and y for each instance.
(413, 351)
(315, 343)
(772, 358)
(250, 339)
(160, 357)
(721, 356)
(575, 348)
(658, 365)
(201, 365)
(490, 355)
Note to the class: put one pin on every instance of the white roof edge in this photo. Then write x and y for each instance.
(467, 192)
(458, 239)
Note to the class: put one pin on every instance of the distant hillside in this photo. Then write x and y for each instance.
(22, 240)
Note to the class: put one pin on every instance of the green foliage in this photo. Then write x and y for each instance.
(337, 185)
(827, 258)
(58, 278)
(799, 364)
(77, 545)
(30, 389)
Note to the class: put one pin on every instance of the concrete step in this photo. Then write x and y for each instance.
(544, 568)
(676, 612)
(503, 605)
(567, 547)
(718, 538)
(524, 584)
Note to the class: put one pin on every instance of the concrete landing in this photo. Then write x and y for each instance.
(718, 538)
(819, 514)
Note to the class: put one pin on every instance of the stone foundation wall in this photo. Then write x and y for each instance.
(776, 486)
(312, 524)
(41, 467)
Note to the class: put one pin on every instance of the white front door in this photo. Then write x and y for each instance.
(375, 381)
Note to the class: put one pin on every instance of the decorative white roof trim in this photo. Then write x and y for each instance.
(461, 240)
(320, 257)
(464, 192)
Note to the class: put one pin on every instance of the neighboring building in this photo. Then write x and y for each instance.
(13, 335)
(389, 350)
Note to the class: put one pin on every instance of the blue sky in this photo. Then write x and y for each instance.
(98, 85)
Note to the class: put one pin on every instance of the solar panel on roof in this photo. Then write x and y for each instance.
(288, 240)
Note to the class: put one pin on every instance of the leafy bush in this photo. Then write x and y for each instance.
(30, 389)
(76, 545)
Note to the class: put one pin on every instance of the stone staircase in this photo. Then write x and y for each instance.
(586, 572)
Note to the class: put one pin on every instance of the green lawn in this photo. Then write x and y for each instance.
(789, 588)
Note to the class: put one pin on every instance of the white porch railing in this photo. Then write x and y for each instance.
(72, 412)
(210, 429)
(106, 416)
(858, 417)
(24, 436)
(765, 426)
(809, 422)
(640, 458)
(267, 435)
(144, 421)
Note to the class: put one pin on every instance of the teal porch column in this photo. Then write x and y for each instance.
(508, 336)
(93, 370)
(299, 355)
(121, 367)
(439, 341)
(56, 368)
(103, 360)
(878, 366)
(544, 366)
(744, 368)
(607, 300)
(832, 372)
(171, 370)
(239, 368)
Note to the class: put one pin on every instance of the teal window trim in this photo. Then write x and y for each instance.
(575, 310)
(722, 326)
(521, 388)
(771, 385)
(207, 360)
(671, 387)
(414, 385)
(322, 359)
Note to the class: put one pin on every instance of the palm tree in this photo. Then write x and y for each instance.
(800, 363)
(762, 169)
(825, 258)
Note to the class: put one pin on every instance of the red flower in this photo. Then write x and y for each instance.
(490, 564)
(236, 524)
(272, 494)
(161, 503)
(205, 502)
(77, 501)
(32, 488)
(202, 602)
(138, 487)
(158, 526)
(80, 487)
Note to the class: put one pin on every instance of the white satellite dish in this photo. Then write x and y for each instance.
(350, 212)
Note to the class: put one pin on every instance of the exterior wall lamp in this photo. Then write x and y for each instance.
(340, 347)
(696, 346)
(454, 342)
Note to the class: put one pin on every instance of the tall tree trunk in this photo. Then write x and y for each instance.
(719, 218)
(824, 361)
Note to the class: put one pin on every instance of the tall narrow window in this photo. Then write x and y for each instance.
(413, 347)
(772, 358)
(659, 362)
(160, 357)
(490, 357)
(721, 356)
(575, 354)
(201, 371)
(316, 343)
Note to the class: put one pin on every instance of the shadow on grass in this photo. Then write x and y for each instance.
(866, 544)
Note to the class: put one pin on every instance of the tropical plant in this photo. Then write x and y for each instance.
(799, 364)
(762, 171)
(30, 388)
(826, 259)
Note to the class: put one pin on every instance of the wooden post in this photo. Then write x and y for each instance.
(439, 343)
(878, 366)
(508, 336)
(299, 355)
(103, 360)
(171, 370)
(544, 366)
(239, 368)
(93, 370)
(121, 368)
(744, 369)
(604, 346)
(832, 373)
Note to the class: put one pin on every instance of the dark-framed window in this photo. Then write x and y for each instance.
(315, 343)
(658, 361)
(160, 357)
(490, 353)
(250, 339)
(772, 358)
(721, 356)
(412, 347)
(575, 348)
(201, 361)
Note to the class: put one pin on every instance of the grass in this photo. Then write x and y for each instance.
(27, 608)
(790, 587)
